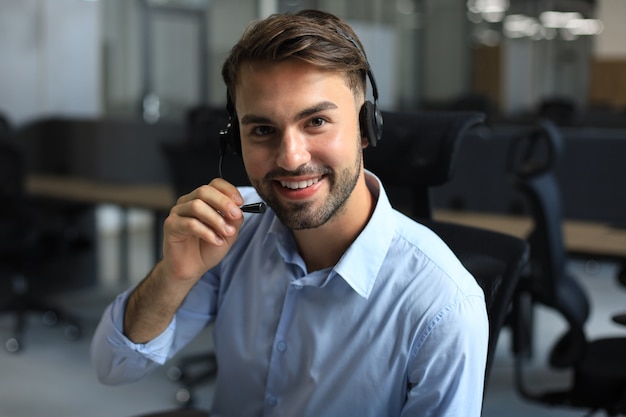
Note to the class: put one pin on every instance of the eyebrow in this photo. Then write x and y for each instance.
(324, 105)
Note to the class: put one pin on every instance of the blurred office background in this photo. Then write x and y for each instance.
(140, 66)
(157, 58)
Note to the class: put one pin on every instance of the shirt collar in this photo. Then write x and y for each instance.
(360, 264)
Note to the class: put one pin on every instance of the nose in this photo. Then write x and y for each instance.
(293, 151)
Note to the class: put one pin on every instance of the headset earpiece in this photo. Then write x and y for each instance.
(370, 117)
(371, 122)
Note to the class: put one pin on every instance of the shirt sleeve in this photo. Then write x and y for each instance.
(447, 372)
(118, 360)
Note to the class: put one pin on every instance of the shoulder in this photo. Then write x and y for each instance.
(415, 237)
(443, 289)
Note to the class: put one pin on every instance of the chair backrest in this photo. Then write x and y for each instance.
(532, 160)
(12, 170)
(6, 129)
(14, 212)
(418, 151)
(496, 263)
(561, 110)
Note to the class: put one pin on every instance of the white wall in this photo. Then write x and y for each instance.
(519, 76)
(446, 68)
(50, 59)
(612, 42)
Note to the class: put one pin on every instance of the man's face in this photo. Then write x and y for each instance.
(300, 139)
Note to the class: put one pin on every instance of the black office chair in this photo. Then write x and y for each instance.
(598, 367)
(418, 152)
(27, 242)
(496, 263)
(561, 110)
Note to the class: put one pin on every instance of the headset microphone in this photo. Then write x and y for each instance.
(257, 208)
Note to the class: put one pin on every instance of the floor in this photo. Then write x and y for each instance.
(52, 376)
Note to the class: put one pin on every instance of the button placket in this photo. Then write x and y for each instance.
(276, 384)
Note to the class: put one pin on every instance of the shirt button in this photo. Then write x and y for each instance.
(271, 401)
(281, 346)
(298, 286)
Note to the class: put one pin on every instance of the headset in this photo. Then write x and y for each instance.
(370, 117)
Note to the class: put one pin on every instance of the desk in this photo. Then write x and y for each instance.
(148, 196)
(581, 238)
(157, 198)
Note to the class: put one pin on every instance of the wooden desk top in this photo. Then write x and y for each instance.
(148, 196)
(580, 237)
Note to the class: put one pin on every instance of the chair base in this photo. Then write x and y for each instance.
(600, 380)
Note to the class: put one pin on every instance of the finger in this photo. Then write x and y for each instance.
(180, 228)
(219, 194)
(228, 189)
(210, 216)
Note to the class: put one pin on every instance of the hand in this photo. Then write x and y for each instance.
(201, 229)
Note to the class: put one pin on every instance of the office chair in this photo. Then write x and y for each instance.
(560, 110)
(598, 367)
(496, 264)
(27, 242)
(6, 129)
(419, 153)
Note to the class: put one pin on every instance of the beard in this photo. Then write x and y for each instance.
(303, 215)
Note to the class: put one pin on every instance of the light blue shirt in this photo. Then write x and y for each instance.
(397, 328)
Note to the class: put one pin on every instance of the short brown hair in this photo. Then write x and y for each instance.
(316, 37)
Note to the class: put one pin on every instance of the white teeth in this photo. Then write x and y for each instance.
(294, 185)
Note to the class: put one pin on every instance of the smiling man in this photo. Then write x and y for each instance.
(329, 304)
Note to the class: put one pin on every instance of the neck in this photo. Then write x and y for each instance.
(323, 246)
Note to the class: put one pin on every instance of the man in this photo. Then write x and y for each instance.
(329, 304)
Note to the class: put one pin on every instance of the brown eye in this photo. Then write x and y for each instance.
(262, 130)
(318, 121)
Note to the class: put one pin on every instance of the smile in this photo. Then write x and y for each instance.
(295, 185)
